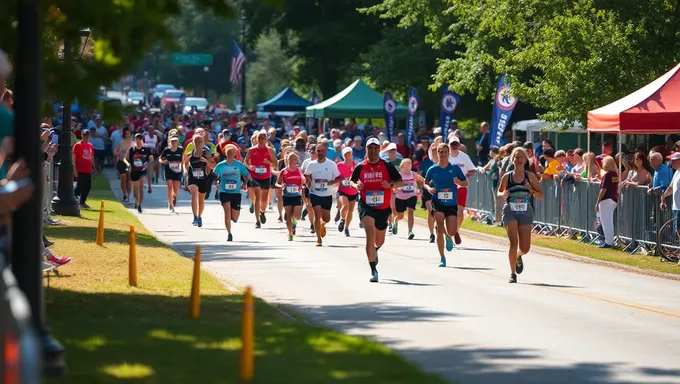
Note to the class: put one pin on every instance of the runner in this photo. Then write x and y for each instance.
(425, 164)
(197, 165)
(442, 180)
(468, 167)
(374, 178)
(321, 174)
(137, 159)
(276, 191)
(347, 196)
(406, 197)
(259, 161)
(232, 175)
(123, 169)
(305, 195)
(290, 181)
(171, 158)
(152, 141)
(518, 187)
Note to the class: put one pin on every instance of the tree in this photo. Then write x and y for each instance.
(270, 72)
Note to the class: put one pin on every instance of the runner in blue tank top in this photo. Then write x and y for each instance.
(232, 175)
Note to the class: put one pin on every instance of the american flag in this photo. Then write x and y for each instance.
(237, 60)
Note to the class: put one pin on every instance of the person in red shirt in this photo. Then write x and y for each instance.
(83, 157)
(402, 147)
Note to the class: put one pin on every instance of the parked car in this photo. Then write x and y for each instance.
(135, 98)
(199, 102)
(158, 92)
(173, 96)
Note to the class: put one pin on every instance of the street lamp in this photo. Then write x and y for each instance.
(206, 69)
(65, 202)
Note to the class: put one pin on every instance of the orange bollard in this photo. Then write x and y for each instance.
(247, 361)
(100, 227)
(132, 262)
(195, 298)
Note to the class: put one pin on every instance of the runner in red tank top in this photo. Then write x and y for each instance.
(259, 161)
(375, 178)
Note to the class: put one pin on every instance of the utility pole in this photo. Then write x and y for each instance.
(245, 61)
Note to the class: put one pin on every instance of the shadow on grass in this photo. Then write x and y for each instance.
(89, 234)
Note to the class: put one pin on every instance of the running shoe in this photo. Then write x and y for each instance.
(139, 208)
(318, 243)
(84, 206)
(257, 224)
(148, 190)
(411, 235)
(200, 222)
(290, 237)
(513, 278)
(172, 209)
(263, 218)
(195, 222)
(294, 229)
(449, 244)
(457, 238)
(347, 232)
(304, 214)
(54, 259)
(230, 237)
(46, 242)
(432, 238)
(322, 229)
(174, 201)
(169, 207)
(389, 227)
(519, 266)
(395, 228)
(442, 262)
(374, 277)
(341, 226)
(252, 208)
(337, 216)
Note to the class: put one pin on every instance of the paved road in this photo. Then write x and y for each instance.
(566, 322)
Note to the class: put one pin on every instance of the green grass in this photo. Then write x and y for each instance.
(574, 247)
(116, 333)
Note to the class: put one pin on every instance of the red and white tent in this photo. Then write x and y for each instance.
(653, 109)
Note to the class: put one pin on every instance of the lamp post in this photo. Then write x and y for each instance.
(206, 69)
(245, 62)
(65, 202)
(27, 220)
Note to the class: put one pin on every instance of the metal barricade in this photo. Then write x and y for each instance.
(480, 198)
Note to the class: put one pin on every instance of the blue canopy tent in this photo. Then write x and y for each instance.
(286, 100)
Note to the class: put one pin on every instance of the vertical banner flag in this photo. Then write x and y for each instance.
(412, 108)
(449, 103)
(315, 98)
(390, 107)
(503, 106)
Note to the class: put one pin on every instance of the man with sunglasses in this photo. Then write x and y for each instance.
(461, 159)
(321, 174)
(374, 178)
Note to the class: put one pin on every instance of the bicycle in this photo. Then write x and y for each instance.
(668, 241)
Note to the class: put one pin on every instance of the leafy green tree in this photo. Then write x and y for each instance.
(270, 72)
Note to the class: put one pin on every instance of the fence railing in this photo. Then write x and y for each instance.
(568, 209)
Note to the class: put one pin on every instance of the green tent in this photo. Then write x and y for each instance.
(356, 101)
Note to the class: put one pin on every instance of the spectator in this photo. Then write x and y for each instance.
(83, 157)
(403, 148)
(607, 199)
(638, 174)
(607, 150)
(553, 166)
(662, 174)
(577, 163)
(358, 150)
(673, 188)
(483, 144)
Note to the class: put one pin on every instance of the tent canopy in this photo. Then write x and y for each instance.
(286, 100)
(537, 125)
(653, 109)
(358, 100)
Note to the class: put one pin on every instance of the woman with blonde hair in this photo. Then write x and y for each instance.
(592, 170)
(198, 165)
(607, 199)
(406, 197)
(232, 175)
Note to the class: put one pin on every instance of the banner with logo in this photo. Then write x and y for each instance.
(504, 104)
(410, 122)
(449, 103)
(390, 107)
(315, 98)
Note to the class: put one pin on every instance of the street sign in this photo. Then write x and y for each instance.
(192, 59)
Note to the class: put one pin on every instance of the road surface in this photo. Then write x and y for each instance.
(565, 322)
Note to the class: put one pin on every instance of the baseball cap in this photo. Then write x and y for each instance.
(139, 136)
(674, 156)
(174, 138)
(358, 138)
(391, 146)
(347, 150)
(371, 141)
(454, 139)
(85, 132)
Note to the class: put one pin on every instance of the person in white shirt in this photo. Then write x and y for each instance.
(674, 189)
(321, 174)
(468, 167)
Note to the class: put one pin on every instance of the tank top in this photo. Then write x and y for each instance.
(258, 155)
(198, 168)
(138, 159)
(519, 198)
(346, 172)
(292, 182)
(373, 193)
(409, 189)
(150, 142)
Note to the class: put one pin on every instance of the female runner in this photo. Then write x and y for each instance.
(347, 196)
(198, 165)
(232, 175)
(171, 158)
(406, 197)
(290, 182)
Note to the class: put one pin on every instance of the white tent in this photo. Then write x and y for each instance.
(536, 125)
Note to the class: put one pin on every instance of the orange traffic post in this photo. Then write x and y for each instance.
(132, 263)
(195, 299)
(100, 227)
(247, 360)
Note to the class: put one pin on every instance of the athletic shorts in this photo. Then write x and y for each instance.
(259, 183)
(427, 196)
(462, 196)
(325, 202)
(446, 210)
(292, 201)
(401, 205)
(272, 182)
(349, 197)
(526, 218)
(234, 200)
(172, 176)
(121, 167)
(202, 184)
(380, 216)
(137, 175)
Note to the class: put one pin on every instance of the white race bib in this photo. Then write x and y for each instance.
(408, 188)
(345, 183)
(375, 198)
(137, 163)
(230, 185)
(519, 206)
(260, 170)
(445, 196)
(293, 189)
(197, 173)
(320, 184)
(175, 166)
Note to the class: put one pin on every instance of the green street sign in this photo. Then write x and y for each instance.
(192, 59)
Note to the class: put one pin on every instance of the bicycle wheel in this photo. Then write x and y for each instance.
(668, 241)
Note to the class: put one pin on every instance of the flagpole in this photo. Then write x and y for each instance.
(245, 62)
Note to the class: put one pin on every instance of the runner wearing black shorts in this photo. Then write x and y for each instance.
(171, 158)
(137, 159)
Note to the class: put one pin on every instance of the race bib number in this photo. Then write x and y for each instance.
(260, 170)
(137, 163)
(293, 189)
(408, 188)
(445, 196)
(197, 173)
(519, 206)
(345, 183)
(320, 184)
(175, 166)
(230, 185)
(375, 199)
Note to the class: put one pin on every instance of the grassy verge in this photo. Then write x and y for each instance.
(576, 248)
(113, 332)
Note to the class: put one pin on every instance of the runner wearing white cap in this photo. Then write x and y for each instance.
(321, 174)
(461, 159)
